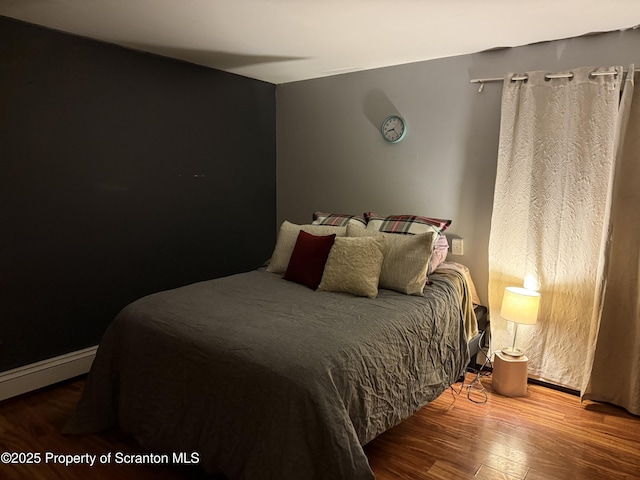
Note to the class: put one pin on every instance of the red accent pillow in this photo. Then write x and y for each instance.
(308, 258)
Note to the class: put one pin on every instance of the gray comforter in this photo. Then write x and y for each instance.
(267, 379)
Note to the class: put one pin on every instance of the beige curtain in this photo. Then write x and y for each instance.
(550, 214)
(613, 367)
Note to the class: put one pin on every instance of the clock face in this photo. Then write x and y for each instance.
(393, 128)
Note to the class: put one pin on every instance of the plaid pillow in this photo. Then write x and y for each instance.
(411, 224)
(338, 219)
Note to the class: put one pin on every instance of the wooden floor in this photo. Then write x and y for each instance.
(545, 435)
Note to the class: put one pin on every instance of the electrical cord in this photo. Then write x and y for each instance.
(475, 387)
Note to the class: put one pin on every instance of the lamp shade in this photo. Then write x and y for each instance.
(520, 305)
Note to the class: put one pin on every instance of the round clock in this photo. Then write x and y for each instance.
(393, 128)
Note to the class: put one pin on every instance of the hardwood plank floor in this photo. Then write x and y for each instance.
(545, 435)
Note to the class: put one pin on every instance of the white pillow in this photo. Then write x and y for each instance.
(406, 259)
(287, 237)
(353, 266)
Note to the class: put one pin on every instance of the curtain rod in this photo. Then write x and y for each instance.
(525, 77)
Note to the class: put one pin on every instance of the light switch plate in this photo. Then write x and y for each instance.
(457, 246)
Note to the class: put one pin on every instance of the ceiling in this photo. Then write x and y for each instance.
(281, 41)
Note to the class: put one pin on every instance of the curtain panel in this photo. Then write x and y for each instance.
(612, 372)
(550, 218)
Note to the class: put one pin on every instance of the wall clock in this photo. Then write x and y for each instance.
(393, 128)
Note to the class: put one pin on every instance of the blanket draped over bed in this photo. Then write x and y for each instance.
(268, 379)
(459, 278)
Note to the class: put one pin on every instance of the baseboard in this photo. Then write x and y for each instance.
(554, 386)
(47, 372)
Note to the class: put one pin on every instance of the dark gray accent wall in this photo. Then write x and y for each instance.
(121, 174)
(331, 155)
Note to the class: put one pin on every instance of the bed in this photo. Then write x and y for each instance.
(267, 378)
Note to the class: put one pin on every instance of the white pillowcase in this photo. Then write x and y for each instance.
(406, 259)
(353, 266)
(439, 253)
(287, 237)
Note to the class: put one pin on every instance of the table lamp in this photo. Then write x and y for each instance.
(520, 306)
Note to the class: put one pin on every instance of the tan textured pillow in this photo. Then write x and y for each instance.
(287, 240)
(406, 259)
(354, 266)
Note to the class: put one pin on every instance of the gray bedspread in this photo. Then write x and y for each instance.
(268, 379)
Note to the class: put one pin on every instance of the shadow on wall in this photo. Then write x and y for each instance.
(597, 49)
(479, 170)
(377, 106)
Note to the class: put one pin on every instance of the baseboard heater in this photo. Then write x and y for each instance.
(47, 372)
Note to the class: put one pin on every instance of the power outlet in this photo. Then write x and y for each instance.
(457, 246)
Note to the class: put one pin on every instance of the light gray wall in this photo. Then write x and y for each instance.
(331, 156)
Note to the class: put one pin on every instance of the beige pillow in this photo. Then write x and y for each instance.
(287, 240)
(406, 259)
(353, 266)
